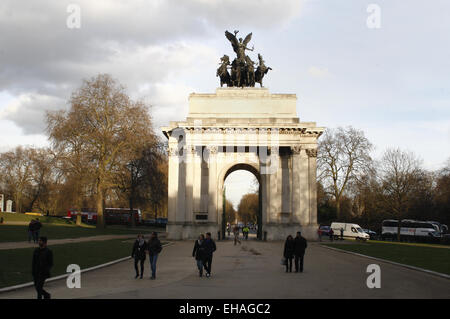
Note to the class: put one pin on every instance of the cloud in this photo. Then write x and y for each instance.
(27, 111)
(154, 44)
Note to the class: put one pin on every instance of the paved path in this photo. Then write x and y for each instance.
(251, 270)
(25, 244)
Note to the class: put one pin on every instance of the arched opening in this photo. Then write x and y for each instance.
(241, 200)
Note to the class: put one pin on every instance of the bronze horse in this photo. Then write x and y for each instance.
(222, 71)
(261, 70)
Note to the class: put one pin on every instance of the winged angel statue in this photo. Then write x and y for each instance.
(242, 68)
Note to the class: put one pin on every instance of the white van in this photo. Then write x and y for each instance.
(350, 231)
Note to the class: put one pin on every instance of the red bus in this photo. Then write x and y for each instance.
(113, 216)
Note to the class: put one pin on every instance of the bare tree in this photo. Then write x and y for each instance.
(102, 130)
(399, 173)
(16, 173)
(248, 208)
(343, 156)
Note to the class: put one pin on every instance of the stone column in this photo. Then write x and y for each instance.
(197, 187)
(173, 183)
(296, 184)
(212, 184)
(181, 198)
(275, 186)
(286, 184)
(304, 187)
(190, 150)
(312, 154)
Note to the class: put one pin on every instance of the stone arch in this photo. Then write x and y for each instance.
(222, 176)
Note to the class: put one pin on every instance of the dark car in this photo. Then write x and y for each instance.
(373, 235)
(325, 230)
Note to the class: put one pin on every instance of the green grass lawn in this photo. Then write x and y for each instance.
(10, 233)
(13, 217)
(431, 258)
(15, 264)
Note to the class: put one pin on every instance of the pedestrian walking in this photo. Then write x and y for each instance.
(210, 248)
(245, 231)
(236, 235)
(138, 253)
(37, 229)
(41, 264)
(154, 248)
(199, 253)
(31, 231)
(331, 234)
(300, 245)
(342, 233)
(319, 233)
(288, 254)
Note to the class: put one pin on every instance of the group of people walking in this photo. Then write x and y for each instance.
(294, 248)
(204, 247)
(34, 228)
(203, 253)
(141, 248)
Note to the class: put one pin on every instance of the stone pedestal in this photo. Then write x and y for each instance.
(9, 206)
(249, 129)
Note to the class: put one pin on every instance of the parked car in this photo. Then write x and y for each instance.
(372, 234)
(325, 230)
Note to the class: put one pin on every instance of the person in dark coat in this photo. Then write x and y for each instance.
(138, 253)
(299, 251)
(31, 231)
(289, 252)
(210, 248)
(37, 229)
(41, 264)
(154, 248)
(199, 253)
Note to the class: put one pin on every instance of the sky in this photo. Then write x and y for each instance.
(392, 81)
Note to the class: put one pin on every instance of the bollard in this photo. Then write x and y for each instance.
(218, 235)
(265, 236)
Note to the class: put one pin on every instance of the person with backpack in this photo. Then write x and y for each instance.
(154, 248)
(138, 253)
(210, 248)
(199, 253)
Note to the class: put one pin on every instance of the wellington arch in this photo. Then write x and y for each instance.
(242, 128)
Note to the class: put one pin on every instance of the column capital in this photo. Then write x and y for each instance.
(213, 149)
(312, 152)
(190, 149)
(173, 151)
(296, 149)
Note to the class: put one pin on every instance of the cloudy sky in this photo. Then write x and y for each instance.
(393, 82)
